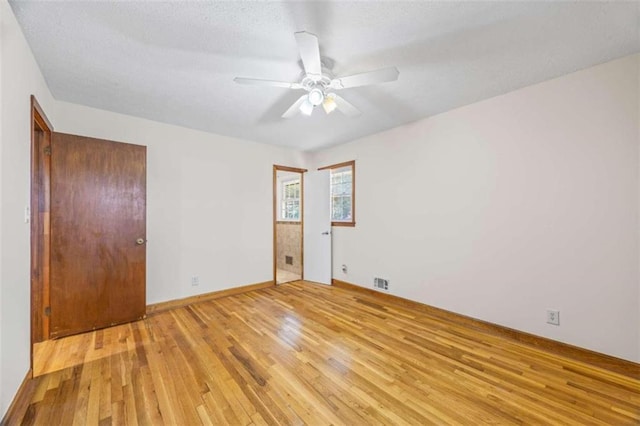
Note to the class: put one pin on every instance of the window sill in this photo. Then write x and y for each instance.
(350, 224)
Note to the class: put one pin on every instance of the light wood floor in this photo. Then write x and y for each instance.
(283, 276)
(303, 353)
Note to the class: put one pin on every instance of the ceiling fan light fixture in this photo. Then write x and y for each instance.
(315, 97)
(329, 104)
(306, 107)
(318, 80)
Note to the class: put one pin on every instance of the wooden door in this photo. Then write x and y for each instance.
(98, 227)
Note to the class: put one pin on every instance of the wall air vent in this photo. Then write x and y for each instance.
(381, 284)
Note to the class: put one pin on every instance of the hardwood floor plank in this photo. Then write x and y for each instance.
(105, 388)
(82, 398)
(93, 399)
(302, 353)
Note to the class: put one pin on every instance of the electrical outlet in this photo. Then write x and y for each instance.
(553, 317)
(195, 280)
(344, 269)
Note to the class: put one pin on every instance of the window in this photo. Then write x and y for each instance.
(291, 200)
(343, 189)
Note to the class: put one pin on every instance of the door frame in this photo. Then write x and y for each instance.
(277, 168)
(40, 206)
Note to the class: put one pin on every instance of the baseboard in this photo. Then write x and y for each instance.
(16, 412)
(154, 308)
(607, 362)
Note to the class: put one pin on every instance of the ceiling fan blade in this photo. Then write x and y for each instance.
(295, 108)
(273, 83)
(365, 78)
(345, 107)
(309, 53)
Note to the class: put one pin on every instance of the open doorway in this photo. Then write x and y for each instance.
(288, 184)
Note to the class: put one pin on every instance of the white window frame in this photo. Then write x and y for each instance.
(284, 199)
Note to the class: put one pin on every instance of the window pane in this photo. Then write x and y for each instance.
(341, 186)
(335, 208)
(339, 210)
(341, 207)
(346, 208)
(290, 209)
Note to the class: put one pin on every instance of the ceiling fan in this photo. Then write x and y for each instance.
(320, 84)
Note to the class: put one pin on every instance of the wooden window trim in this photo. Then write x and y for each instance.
(289, 169)
(352, 164)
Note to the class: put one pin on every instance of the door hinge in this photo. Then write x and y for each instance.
(47, 150)
(47, 311)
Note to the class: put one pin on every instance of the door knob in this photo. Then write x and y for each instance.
(140, 241)
(326, 233)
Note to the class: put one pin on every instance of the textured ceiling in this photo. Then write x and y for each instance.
(175, 62)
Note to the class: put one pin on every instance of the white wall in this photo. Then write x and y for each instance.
(19, 78)
(2, 25)
(199, 222)
(502, 209)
